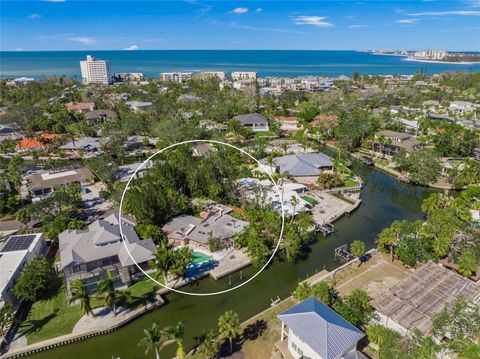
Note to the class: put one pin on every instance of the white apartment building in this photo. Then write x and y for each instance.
(178, 77)
(242, 75)
(431, 54)
(96, 71)
(212, 74)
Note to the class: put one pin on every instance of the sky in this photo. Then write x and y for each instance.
(196, 24)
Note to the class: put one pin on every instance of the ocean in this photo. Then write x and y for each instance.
(267, 63)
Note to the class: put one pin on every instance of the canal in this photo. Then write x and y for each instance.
(384, 200)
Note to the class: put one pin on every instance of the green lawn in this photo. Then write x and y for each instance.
(144, 287)
(264, 134)
(350, 183)
(50, 317)
(311, 200)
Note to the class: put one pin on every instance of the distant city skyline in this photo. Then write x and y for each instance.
(51, 25)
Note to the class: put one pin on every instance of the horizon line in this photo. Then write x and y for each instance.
(123, 50)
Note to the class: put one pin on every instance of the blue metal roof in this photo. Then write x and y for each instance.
(323, 329)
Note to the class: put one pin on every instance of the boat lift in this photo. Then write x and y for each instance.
(343, 255)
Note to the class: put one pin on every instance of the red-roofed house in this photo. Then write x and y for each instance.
(34, 143)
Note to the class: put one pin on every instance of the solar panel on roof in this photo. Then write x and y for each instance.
(18, 243)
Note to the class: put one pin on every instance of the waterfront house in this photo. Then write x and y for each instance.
(41, 142)
(255, 121)
(41, 184)
(265, 193)
(84, 144)
(303, 167)
(311, 329)
(15, 252)
(81, 107)
(90, 254)
(390, 143)
(214, 222)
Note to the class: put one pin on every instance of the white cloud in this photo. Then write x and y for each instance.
(35, 16)
(240, 10)
(54, 0)
(357, 26)
(407, 21)
(318, 21)
(443, 13)
(258, 9)
(85, 40)
(235, 25)
(19, 49)
(131, 48)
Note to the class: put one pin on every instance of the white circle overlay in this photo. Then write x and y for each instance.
(218, 143)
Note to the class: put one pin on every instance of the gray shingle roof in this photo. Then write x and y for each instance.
(251, 118)
(324, 330)
(101, 240)
(222, 226)
(86, 143)
(304, 164)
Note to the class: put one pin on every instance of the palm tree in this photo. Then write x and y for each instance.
(229, 326)
(358, 249)
(390, 236)
(294, 202)
(209, 345)
(80, 293)
(432, 202)
(156, 339)
(177, 333)
(106, 289)
(163, 261)
(303, 291)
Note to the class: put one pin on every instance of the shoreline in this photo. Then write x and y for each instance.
(409, 59)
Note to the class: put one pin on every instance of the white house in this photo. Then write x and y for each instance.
(265, 193)
(311, 329)
(462, 106)
(15, 253)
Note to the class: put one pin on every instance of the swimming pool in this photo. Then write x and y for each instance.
(199, 257)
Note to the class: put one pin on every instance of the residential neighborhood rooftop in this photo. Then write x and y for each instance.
(304, 164)
(323, 329)
(102, 239)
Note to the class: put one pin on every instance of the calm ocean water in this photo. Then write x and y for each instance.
(266, 63)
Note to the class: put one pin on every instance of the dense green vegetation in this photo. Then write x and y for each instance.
(354, 307)
(36, 280)
(448, 232)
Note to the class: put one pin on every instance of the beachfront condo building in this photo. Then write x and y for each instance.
(96, 71)
(242, 75)
(178, 77)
